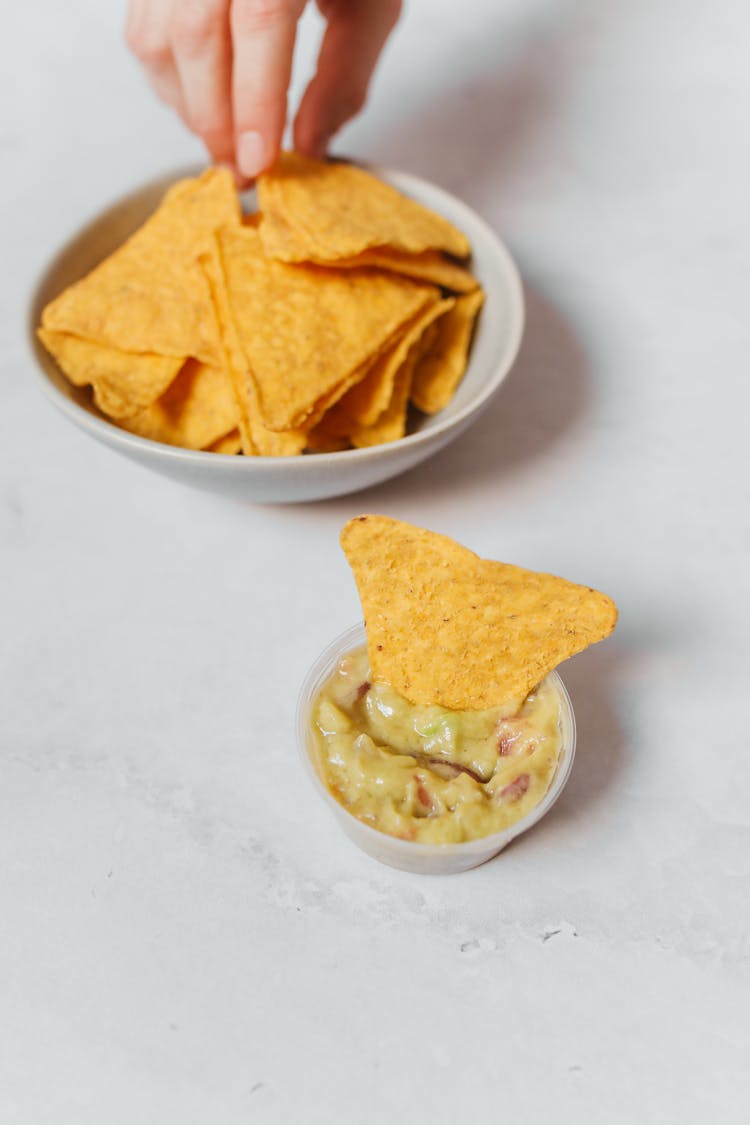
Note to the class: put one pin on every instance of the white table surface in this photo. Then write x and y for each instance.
(185, 936)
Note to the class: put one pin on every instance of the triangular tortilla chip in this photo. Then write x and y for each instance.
(150, 295)
(430, 266)
(446, 627)
(230, 444)
(305, 331)
(197, 409)
(231, 353)
(270, 443)
(365, 402)
(124, 383)
(441, 369)
(391, 425)
(313, 210)
(257, 440)
(319, 441)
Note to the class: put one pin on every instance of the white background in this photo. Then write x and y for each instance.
(185, 936)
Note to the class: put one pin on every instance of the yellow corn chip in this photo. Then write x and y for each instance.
(318, 441)
(277, 234)
(430, 266)
(446, 627)
(231, 443)
(150, 295)
(304, 331)
(272, 443)
(313, 210)
(324, 406)
(124, 383)
(197, 409)
(391, 425)
(365, 402)
(319, 438)
(440, 371)
(257, 439)
(317, 354)
(232, 358)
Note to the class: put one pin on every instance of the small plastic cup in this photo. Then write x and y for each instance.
(408, 855)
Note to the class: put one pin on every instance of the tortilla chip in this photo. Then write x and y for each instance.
(124, 383)
(305, 332)
(150, 296)
(441, 370)
(315, 354)
(232, 357)
(319, 437)
(319, 441)
(270, 443)
(428, 342)
(313, 210)
(430, 266)
(448, 628)
(391, 425)
(231, 443)
(257, 440)
(198, 409)
(365, 402)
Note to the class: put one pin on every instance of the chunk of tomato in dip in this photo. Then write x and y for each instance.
(426, 773)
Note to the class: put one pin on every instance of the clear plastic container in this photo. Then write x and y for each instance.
(425, 859)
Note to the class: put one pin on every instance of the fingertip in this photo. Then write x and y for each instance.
(312, 132)
(311, 144)
(256, 152)
(319, 149)
(221, 151)
(252, 153)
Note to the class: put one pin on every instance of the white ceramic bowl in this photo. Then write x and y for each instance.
(425, 859)
(308, 477)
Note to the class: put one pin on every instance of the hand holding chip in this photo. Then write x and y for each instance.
(225, 67)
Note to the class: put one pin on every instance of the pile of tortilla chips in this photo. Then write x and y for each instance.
(309, 325)
(449, 628)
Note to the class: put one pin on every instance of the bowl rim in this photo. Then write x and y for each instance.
(485, 846)
(110, 433)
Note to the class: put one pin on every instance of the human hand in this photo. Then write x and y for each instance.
(225, 66)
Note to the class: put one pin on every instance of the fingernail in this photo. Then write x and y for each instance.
(251, 154)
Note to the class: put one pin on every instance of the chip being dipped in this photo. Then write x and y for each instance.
(447, 627)
(450, 724)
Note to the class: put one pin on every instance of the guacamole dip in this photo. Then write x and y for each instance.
(426, 773)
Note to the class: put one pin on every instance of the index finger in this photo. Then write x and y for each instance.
(263, 34)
